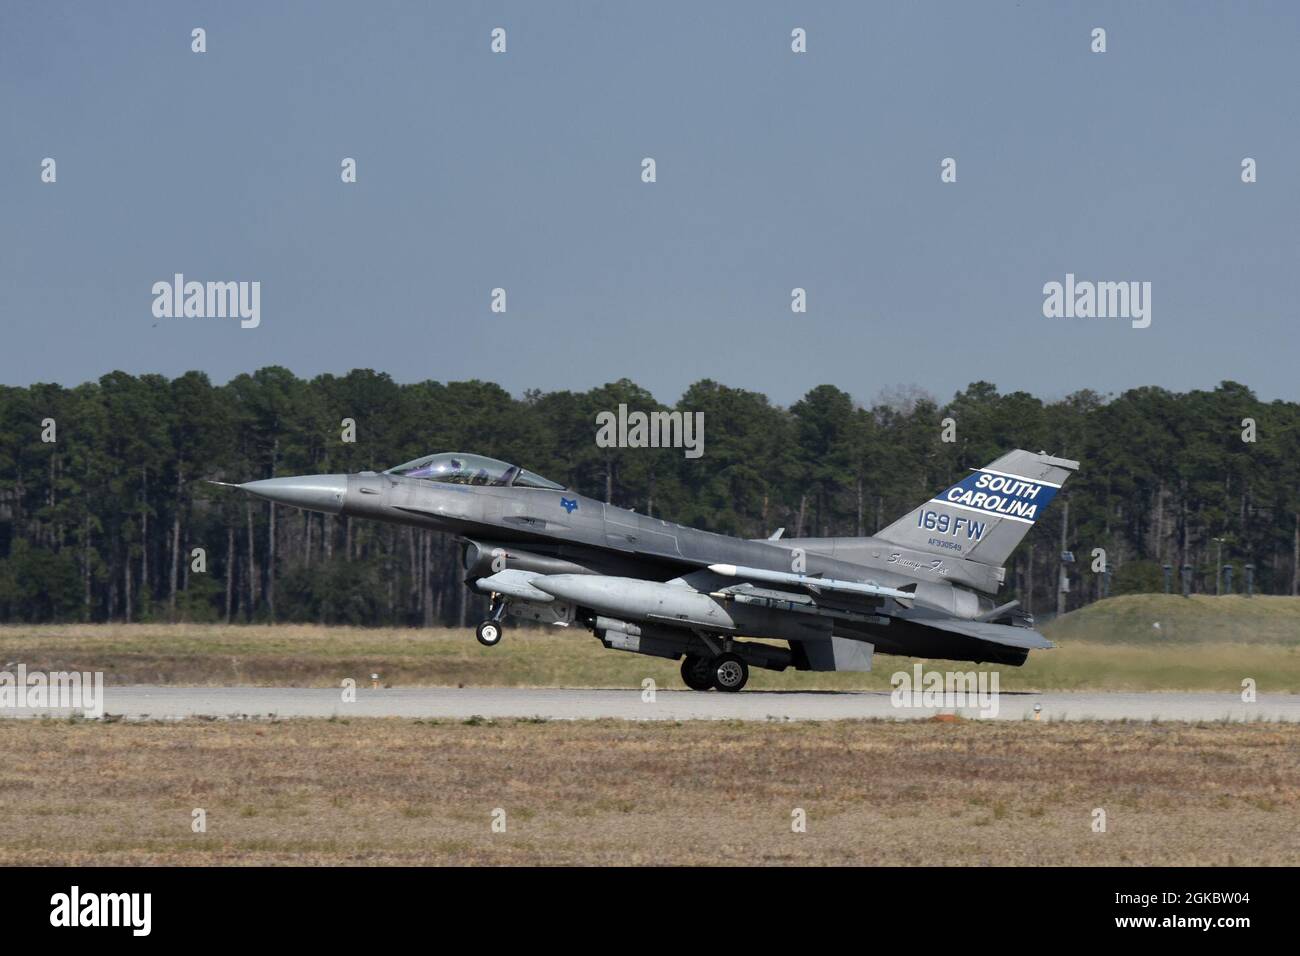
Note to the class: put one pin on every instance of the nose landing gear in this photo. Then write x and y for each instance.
(490, 632)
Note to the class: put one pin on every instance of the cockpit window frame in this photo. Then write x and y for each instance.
(478, 471)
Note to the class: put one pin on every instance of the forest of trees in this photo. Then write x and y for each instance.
(99, 524)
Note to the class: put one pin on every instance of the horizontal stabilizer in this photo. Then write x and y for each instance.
(1004, 634)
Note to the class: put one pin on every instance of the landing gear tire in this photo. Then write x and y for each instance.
(489, 633)
(729, 673)
(696, 673)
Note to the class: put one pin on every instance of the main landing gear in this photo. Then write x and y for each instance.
(726, 672)
(695, 673)
(490, 632)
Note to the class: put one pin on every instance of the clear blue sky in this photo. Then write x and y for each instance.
(775, 170)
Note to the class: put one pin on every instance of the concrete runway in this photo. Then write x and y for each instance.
(172, 703)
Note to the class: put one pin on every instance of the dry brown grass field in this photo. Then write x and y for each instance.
(410, 792)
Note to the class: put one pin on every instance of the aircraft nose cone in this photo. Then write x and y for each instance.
(312, 492)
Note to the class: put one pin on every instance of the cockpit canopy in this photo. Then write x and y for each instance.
(457, 469)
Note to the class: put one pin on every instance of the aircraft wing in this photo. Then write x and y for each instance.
(1004, 634)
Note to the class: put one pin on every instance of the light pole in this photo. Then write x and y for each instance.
(1063, 585)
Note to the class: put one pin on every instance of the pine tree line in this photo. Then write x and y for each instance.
(101, 522)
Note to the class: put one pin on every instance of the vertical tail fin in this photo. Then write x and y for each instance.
(986, 514)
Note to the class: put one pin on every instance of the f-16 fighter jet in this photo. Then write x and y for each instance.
(925, 586)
